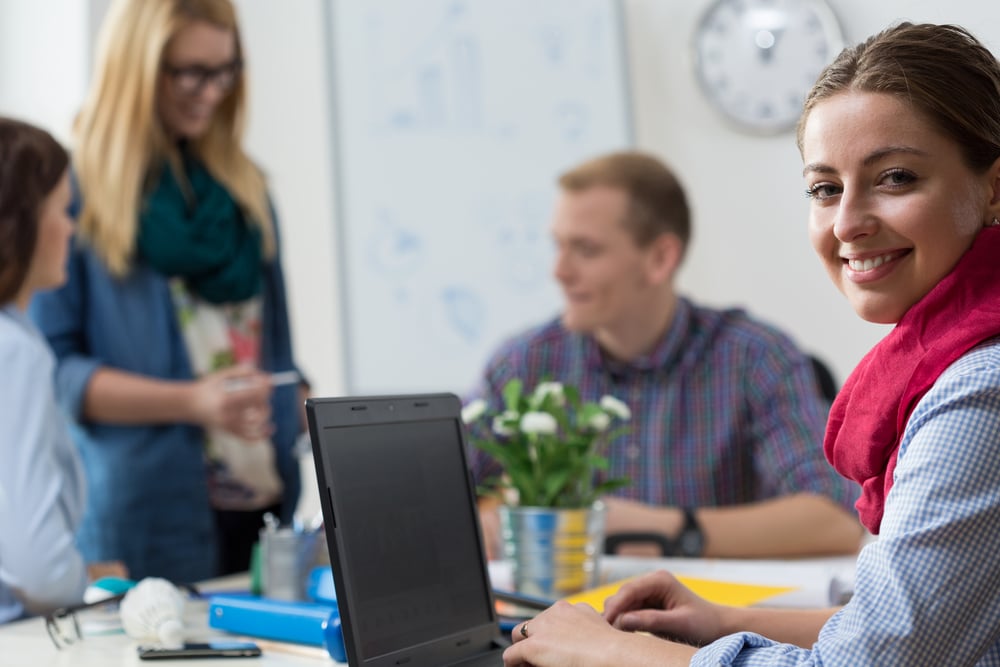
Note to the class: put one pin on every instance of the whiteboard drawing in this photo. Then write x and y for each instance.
(466, 311)
(452, 121)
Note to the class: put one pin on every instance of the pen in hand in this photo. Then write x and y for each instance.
(275, 379)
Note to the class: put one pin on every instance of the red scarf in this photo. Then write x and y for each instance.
(868, 417)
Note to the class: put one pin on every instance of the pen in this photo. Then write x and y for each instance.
(276, 379)
(531, 602)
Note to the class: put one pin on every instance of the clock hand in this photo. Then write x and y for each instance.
(766, 41)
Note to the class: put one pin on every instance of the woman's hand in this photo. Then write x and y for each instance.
(567, 635)
(564, 634)
(109, 568)
(659, 604)
(236, 400)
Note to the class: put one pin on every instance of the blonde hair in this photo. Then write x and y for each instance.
(120, 142)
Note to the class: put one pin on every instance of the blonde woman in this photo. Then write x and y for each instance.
(174, 311)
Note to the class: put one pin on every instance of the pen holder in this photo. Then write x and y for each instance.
(286, 558)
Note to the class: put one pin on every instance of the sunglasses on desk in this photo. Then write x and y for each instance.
(63, 626)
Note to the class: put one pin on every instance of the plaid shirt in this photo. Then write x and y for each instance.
(928, 590)
(725, 409)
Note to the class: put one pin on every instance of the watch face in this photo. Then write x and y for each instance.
(691, 543)
(757, 59)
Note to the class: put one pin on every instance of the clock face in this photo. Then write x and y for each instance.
(757, 59)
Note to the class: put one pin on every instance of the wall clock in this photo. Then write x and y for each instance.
(757, 59)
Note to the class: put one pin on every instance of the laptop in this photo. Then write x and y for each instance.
(405, 545)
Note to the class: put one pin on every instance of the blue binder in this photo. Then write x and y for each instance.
(312, 623)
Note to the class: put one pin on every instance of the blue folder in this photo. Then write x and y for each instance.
(312, 623)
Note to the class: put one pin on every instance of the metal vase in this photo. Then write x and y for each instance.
(555, 552)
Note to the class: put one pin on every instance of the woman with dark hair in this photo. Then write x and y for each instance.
(900, 138)
(41, 480)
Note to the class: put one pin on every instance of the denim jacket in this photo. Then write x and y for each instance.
(149, 504)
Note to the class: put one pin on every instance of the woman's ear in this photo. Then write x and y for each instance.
(994, 183)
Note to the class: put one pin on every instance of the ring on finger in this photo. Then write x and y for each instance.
(524, 629)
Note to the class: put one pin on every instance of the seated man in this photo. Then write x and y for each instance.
(724, 450)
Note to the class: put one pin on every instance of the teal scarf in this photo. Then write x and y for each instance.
(204, 238)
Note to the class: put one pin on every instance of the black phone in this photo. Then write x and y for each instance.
(209, 649)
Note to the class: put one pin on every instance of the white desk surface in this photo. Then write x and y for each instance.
(26, 643)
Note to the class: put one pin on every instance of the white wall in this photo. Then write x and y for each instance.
(290, 135)
(43, 72)
(750, 243)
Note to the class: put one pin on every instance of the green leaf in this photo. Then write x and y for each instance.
(610, 485)
(554, 485)
(599, 462)
(572, 396)
(512, 392)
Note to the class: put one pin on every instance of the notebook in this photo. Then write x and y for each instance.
(405, 546)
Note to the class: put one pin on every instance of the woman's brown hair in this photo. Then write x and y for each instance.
(31, 166)
(941, 71)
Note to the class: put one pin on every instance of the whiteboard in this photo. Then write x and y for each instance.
(452, 120)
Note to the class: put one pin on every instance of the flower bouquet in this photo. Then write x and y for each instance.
(549, 444)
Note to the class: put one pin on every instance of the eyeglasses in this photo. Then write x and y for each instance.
(192, 79)
(63, 627)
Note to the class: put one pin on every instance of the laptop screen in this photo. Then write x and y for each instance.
(409, 551)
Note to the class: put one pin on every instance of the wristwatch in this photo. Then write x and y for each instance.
(690, 541)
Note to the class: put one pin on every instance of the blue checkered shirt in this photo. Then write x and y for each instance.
(928, 590)
(725, 409)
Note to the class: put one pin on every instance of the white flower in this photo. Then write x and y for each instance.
(539, 422)
(473, 411)
(599, 421)
(500, 423)
(554, 389)
(615, 407)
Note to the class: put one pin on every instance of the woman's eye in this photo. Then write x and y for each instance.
(821, 191)
(898, 177)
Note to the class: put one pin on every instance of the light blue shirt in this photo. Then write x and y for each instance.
(42, 488)
(928, 590)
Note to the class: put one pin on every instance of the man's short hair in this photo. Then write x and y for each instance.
(657, 203)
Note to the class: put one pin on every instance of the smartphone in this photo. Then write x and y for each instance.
(210, 649)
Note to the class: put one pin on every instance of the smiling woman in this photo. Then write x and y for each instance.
(901, 141)
(880, 195)
(174, 311)
(201, 69)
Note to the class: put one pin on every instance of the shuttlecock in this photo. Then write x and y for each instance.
(153, 611)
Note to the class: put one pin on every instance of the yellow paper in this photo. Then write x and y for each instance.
(721, 592)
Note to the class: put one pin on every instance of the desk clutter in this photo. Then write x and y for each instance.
(314, 621)
(152, 612)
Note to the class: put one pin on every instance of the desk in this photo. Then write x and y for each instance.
(26, 644)
(819, 582)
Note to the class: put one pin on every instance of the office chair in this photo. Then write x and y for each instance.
(825, 380)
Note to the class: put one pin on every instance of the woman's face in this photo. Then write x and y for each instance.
(55, 228)
(199, 70)
(894, 206)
